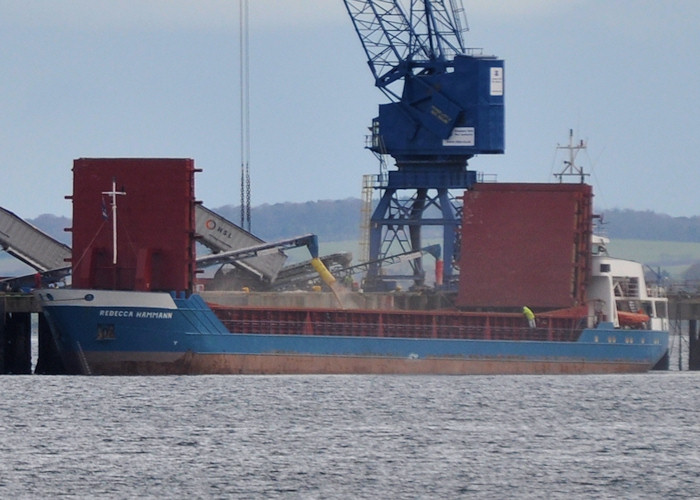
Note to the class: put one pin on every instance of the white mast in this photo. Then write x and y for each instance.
(571, 169)
(113, 200)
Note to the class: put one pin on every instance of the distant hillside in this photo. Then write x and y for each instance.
(331, 220)
(661, 241)
(54, 226)
(339, 220)
(650, 226)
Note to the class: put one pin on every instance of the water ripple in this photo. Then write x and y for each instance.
(350, 437)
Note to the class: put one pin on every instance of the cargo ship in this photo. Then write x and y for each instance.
(131, 309)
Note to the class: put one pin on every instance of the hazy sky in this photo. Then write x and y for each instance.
(160, 78)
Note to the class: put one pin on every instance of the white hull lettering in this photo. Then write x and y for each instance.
(154, 315)
(121, 313)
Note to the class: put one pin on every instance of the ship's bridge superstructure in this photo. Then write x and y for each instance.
(618, 291)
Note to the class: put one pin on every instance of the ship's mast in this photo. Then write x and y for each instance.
(570, 167)
(113, 202)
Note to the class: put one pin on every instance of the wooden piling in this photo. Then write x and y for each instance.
(693, 345)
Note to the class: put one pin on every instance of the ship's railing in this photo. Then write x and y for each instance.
(396, 324)
(656, 292)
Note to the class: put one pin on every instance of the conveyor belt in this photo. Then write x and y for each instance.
(220, 235)
(31, 245)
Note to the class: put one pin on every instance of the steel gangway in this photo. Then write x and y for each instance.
(31, 245)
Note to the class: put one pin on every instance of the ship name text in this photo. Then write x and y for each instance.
(130, 313)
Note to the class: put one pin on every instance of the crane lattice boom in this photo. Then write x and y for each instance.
(398, 44)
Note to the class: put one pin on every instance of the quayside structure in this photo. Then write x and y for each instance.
(446, 105)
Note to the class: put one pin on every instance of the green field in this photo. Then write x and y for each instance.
(672, 256)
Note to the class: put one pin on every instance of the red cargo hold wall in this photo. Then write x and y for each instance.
(155, 224)
(525, 244)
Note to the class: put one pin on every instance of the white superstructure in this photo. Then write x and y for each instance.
(618, 292)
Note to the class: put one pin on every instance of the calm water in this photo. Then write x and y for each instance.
(633, 436)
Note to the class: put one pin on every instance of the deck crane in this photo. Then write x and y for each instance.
(446, 104)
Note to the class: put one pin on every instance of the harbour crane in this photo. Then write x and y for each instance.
(446, 105)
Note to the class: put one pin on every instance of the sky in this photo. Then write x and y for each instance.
(161, 78)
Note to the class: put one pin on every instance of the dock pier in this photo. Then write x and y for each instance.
(693, 345)
(685, 306)
(18, 311)
(15, 334)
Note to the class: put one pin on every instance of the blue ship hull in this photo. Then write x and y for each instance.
(132, 333)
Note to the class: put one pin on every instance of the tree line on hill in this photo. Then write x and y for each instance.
(340, 220)
(652, 226)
